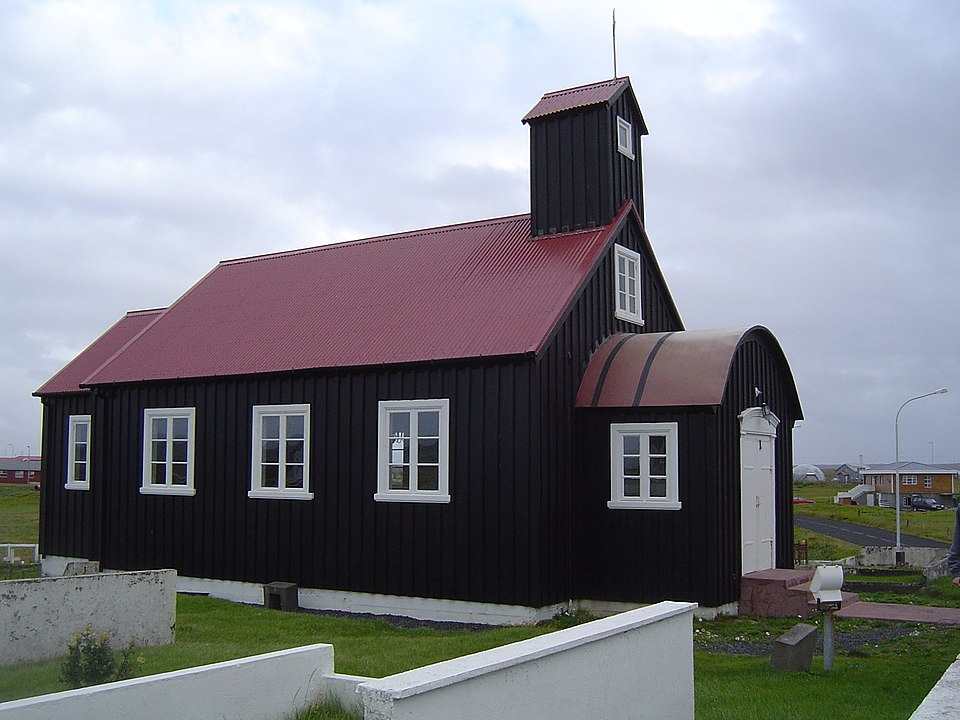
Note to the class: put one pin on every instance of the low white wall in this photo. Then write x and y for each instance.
(915, 556)
(635, 665)
(358, 602)
(263, 687)
(39, 616)
(943, 700)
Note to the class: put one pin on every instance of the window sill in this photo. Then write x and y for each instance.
(274, 494)
(167, 490)
(411, 496)
(643, 504)
(627, 317)
(77, 486)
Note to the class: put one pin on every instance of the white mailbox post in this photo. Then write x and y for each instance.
(825, 586)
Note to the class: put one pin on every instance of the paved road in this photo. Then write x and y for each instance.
(861, 534)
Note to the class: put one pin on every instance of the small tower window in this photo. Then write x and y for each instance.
(625, 137)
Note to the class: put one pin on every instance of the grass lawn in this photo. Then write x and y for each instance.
(211, 630)
(19, 514)
(937, 525)
(726, 686)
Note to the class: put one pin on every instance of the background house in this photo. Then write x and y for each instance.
(479, 421)
(20, 469)
(915, 478)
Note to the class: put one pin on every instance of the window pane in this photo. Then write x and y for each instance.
(658, 444)
(158, 451)
(158, 474)
(179, 451)
(631, 444)
(428, 424)
(428, 451)
(178, 472)
(270, 451)
(270, 427)
(80, 472)
(181, 426)
(158, 428)
(399, 477)
(400, 424)
(270, 476)
(80, 452)
(658, 487)
(81, 432)
(631, 466)
(294, 477)
(658, 466)
(428, 477)
(621, 265)
(631, 487)
(295, 451)
(295, 426)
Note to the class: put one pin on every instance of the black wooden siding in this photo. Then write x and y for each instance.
(68, 518)
(578, 178)
(693, 553)
(504, 537)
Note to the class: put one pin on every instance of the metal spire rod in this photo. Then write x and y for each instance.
(614, 43)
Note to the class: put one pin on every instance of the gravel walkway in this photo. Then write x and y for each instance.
(843, 640)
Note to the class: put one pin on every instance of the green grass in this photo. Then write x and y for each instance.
(19, 514)
(211, 631)
(936, 525)
(726, 686)
(824, 547)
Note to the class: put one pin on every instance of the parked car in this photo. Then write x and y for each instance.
(918, 502)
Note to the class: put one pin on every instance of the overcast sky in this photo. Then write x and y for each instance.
(802, 169)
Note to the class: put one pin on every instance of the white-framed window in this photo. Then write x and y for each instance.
(909, 479)
(643, 466)
(412, 451)
(78, 453)
(626, 268)
(927, 481)
(3, 473)
(168, 450)
(280, 464)
(625, 138)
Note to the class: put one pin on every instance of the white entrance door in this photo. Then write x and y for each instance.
(758, 430)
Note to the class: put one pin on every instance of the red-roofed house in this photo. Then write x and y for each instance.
(481, 421)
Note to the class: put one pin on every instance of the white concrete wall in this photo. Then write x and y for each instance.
(38, 617)
(943, 700)
(358, 602)
(263, 687)
(635, 665)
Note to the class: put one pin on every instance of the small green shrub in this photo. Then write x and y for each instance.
(91, 661)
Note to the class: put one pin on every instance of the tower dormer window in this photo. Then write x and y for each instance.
(627, 285)
(625, 137)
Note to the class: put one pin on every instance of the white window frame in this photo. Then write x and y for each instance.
(73, 423)
(908, 479)
(625, 138)
(927, 481)
(620, 501)
(384, 493)
(168, 488)
(621, 285)
(257, 490)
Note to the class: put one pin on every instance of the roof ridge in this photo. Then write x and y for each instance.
(568, 91)
(436, 230)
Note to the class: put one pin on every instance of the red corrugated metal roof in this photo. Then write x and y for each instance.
(661, 369)
(476, 289)
(102, 349)
(583, 96)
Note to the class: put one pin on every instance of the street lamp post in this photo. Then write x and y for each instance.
(896, 430)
